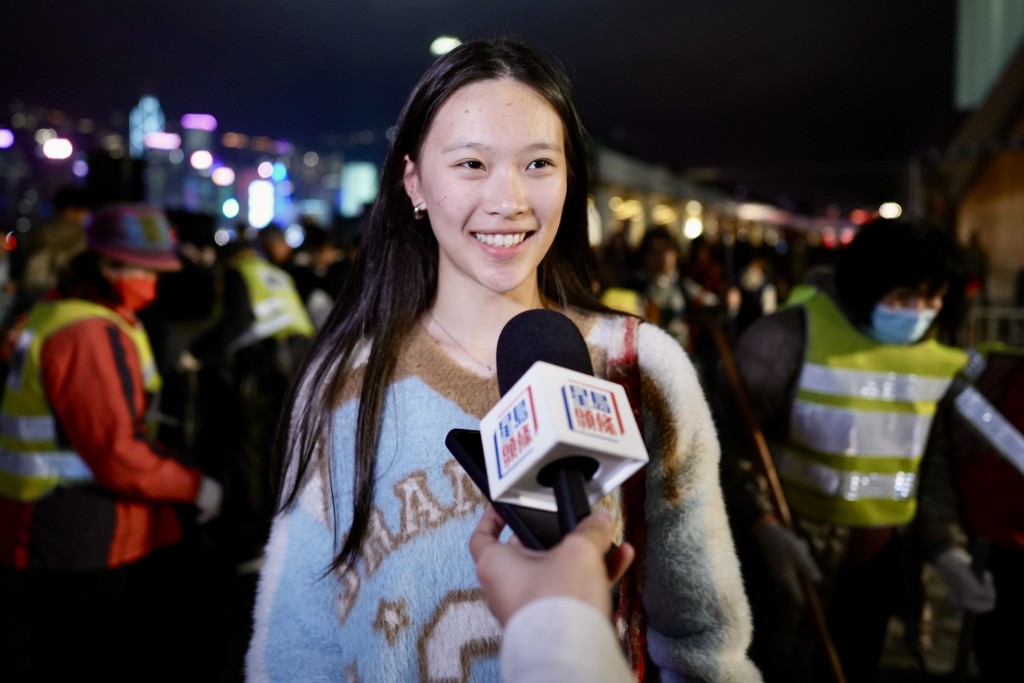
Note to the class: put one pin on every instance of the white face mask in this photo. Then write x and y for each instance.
(891, 325)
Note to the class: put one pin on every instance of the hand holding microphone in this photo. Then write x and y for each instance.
(580, 566)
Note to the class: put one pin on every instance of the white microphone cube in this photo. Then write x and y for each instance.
(553, 413)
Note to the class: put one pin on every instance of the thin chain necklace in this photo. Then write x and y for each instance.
(456, 341)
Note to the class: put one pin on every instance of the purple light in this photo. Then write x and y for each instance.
(199, 122)
(6, 138)
(161, 141)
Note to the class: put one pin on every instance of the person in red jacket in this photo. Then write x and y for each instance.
(92, 509)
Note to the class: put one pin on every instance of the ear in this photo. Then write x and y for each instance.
(411, 180)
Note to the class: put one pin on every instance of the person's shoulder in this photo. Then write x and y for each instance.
(88, 337)
(659, 354)
(605, 329)
(784, 321)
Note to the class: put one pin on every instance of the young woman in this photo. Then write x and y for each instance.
(481, 215)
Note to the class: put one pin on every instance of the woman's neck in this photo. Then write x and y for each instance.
(467, 324)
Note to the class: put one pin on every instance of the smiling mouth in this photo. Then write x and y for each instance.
(505, 240)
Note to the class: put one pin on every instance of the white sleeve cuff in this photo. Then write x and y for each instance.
(561, 639)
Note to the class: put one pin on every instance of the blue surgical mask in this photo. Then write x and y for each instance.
(891, 325)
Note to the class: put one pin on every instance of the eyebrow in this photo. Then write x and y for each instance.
(535, 147)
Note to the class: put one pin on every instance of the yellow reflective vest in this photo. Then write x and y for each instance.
(276, 305)
(32, 464)
(860, 421)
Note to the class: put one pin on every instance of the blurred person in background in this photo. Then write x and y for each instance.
(275, 248)
(845, 382)
(51, 245)
(754, 295)
(319, 282)
(8, 285)
(95, 577)
(239, 368)
(255, 346)
(659, 284)
(984, 433)
(705, 287)
(186, 299)
(615, 258)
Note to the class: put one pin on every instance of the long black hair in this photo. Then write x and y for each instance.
(394, 279)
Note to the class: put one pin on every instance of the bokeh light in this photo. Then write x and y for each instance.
(693, 227)
(890, 210)
(158, 140)
(201, 160)
(230, 208)
(199, 122)
(57, 148)
(223, 176)
(261, 203)
(443, 45)
(294, 235)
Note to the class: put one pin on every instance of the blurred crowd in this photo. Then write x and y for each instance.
(228, 325)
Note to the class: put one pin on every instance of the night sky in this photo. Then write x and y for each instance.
(804, 102)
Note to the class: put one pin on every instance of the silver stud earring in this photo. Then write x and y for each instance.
(419, 211)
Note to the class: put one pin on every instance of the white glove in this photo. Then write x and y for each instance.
(788, 557)
(209, 499)
(969, 592)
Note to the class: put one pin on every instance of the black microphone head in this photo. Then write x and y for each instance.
(539, 335)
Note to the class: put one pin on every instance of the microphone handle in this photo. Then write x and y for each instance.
(571, 495)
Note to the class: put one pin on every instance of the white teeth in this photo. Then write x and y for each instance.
(508, 240)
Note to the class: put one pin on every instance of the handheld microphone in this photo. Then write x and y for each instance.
(559, 439)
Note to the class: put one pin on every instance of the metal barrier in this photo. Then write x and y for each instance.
(993, 324)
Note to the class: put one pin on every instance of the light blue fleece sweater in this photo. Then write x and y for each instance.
(411, 609)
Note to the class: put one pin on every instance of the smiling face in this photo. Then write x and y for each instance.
(492, 176)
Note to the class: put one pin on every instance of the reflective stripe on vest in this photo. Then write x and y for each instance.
(990, 424)
(860, 421)
(899, 486)
(28, 427)
(868, 434)
(26, 475)
(276, 305)
(32, 463)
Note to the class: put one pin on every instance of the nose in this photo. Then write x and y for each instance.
(507, 194)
